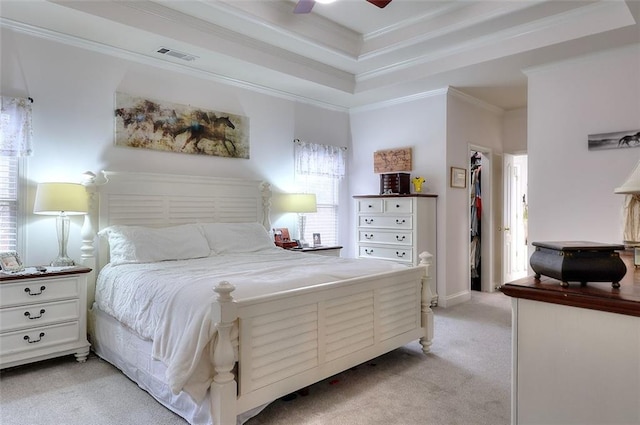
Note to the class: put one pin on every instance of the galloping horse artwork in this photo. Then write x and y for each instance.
(150, 124)
(615, 140)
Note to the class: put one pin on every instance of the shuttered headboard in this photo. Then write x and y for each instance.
(160, 200)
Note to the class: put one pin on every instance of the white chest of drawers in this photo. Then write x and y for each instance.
(43, 316)
(397, 228)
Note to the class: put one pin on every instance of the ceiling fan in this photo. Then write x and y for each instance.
(305, 6)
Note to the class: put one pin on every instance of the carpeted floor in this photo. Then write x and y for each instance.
(465, 380)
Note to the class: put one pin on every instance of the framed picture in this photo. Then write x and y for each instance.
(10, 262)
(316, 239)
(458, 177)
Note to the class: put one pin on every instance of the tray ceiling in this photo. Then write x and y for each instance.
(348, 54)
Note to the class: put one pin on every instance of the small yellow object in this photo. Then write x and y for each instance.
(417, 183)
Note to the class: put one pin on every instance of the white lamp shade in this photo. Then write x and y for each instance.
(54, 198)
(632, 185)
(299, 203)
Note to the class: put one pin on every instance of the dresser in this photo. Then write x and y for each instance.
(43, 315)
(397, 228)
(576, 350)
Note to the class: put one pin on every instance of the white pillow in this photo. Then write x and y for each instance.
(136, 244)
(237, 237)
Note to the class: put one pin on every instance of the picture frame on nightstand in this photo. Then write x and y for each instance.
(10, 262)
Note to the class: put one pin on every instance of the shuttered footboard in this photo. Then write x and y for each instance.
(300, 337)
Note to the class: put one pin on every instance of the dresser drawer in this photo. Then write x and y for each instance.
(387, 222)
(386, 237)
(370, 205)
(38, 291)
(386, 253)
(402, 205)
(40, 337)
(38, 314)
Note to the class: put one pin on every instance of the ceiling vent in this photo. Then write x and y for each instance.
(176, 54)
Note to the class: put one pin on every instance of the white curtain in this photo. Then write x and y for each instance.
(319, 160)
(15, 127)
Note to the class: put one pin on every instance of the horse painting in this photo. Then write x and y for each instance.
(614, 140)
(143, 123)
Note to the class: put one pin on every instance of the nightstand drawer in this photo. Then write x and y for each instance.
(36, 338)
(395, 254)
(370, 206)
(38, 291)
(386, 237)
(39, 314)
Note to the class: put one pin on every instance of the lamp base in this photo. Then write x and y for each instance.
(62, 262)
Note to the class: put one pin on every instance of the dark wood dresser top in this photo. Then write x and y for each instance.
(594, 295)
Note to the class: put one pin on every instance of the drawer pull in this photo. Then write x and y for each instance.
(400, 238)
(28, 338)
(368, 251)
(400, 221)
(369, 206)
(368, 236)
(28, 290)
(400, 255)
(27, 314)
(368, 220)
(397, 206)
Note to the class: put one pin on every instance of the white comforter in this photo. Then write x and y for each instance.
(170, 302)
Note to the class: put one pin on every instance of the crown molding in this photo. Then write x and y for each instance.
(474, 101)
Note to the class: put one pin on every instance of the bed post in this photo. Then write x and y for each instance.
(88, 258)
(427, 313)
(224, 386)
(265, 189)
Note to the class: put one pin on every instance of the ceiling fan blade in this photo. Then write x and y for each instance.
(304, 6)
(380, 3)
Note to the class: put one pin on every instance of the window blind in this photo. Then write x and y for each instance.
(8, 203)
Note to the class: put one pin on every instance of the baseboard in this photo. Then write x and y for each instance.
(451, 300)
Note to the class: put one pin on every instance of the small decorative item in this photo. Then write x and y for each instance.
(614, 140)
(316, 239)
(417, 183)
(10, 262)
(458, 177)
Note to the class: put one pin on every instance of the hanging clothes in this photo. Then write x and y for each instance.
(476, 214)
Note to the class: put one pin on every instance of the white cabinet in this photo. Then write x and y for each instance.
(43, 316)
(397, 228)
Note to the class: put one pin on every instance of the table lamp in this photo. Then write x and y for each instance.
(631, 233)
(300, 203)
(61, 200)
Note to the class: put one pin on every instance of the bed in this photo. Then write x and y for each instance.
(225, 322)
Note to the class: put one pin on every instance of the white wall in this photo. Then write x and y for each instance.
(571, 188)
(73, 118)
(472, 124)
(514, 131)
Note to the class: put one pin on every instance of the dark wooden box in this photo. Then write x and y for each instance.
(578, 262)
(395, 183)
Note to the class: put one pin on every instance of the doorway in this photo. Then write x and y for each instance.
(515, 233)
(481, 261)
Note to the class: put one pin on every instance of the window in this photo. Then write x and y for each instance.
(319, 169)
(15, 142)
(8, 203)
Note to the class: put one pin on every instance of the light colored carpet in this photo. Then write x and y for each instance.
(465, 380)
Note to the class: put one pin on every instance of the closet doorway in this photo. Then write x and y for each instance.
(515, 232)
(480, 236)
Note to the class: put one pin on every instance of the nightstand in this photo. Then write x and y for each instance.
(329, 251)
(43, 315)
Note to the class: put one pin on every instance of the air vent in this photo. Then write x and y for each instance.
(176, 54)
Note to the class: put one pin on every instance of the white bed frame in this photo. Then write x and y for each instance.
(287, 340)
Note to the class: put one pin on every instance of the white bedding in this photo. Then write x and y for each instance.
(170, 302)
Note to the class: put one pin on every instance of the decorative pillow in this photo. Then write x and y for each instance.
(136, 244)
(237, 237)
